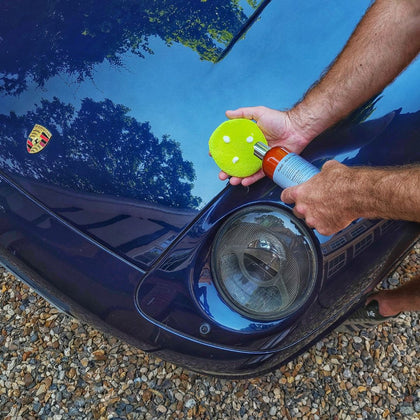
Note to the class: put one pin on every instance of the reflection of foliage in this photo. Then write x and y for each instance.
(100, 149)
(360, 114)
(44, 38)
(270, 221)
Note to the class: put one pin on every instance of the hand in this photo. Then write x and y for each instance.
(279, 129)
(330, 200)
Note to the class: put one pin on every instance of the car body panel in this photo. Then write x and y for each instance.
(115, 125)
(113, 219)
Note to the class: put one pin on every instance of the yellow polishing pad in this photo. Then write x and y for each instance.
(232, 147)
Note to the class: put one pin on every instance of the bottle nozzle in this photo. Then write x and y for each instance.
(260, 149)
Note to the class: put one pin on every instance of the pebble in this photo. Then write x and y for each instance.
(394, 280)
(161, 409)
(407, 410)
(28, 379)
(55, 367)
(190, 403)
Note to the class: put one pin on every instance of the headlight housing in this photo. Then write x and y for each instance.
(264, 262)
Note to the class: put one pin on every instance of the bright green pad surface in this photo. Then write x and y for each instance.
(232, 147)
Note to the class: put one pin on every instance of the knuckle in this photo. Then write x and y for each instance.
(325, 231)
(297, 214)
(331, 164)
(300, 208)
(311, 222)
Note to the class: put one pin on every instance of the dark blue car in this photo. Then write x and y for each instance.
(110, 205)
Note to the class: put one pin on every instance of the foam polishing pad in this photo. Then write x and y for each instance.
(232, 147)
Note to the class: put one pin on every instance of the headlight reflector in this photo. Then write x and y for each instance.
(264, 262)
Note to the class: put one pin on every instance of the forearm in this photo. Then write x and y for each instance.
(386, 40)
(389, 193)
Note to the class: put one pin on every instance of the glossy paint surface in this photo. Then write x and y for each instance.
(114, 220)
(131, 97)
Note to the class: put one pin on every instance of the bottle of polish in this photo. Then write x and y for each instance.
(284, 168)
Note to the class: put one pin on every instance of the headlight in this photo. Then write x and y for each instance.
(264, 262)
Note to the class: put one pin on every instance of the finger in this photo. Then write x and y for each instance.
(234, 180)
(253, 178)
(310, 222)
(298, 214)
(250, 113)
(288, 195)
(223, 176)
(325, 231)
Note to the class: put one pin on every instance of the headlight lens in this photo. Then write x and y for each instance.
(264, 262)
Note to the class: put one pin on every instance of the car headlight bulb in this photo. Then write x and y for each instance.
(264, 262)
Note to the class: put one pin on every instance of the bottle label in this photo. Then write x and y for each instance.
(293, 170)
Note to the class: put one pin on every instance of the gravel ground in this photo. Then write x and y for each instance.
(53, 367)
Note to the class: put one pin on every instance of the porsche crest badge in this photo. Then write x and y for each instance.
(38, 139)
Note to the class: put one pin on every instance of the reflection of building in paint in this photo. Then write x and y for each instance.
(138, 230)
(343, 247)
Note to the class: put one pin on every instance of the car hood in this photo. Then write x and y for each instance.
(118, 100)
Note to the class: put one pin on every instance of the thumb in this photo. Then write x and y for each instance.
(250, 113)
(288, 195)
(236, 113)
